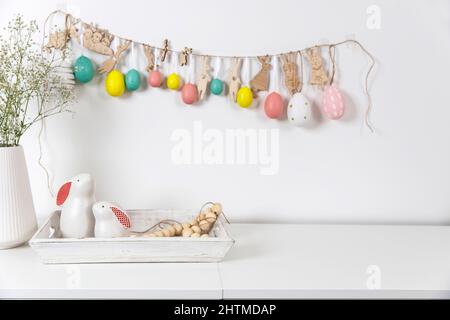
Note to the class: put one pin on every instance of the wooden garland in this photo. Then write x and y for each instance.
(291, 80)
(319, 76)
(260, 81)
(204, 78)
(148, 51)
(201, 226)
(234, 81)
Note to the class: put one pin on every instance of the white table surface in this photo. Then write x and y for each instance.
(267, 261)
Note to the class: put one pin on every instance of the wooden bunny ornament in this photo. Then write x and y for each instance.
(318, 76)
(58, 40)
(234, 80)
(260, 81)
(76, 197)
(110, 63)
(204, 78)
(150, 58)
(291, 80)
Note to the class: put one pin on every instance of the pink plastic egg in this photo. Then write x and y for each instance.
(333, 103)
(189, 93)
(155, 78)
(273, 105)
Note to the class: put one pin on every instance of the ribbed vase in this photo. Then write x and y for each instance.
(17, 215)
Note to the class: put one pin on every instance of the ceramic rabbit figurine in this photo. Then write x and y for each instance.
(110, 220)
(76, 197)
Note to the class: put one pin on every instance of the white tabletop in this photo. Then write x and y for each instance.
(330, 261)
(22, 275)
(267, 261)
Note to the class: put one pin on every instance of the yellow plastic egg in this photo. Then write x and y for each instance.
(173, 81)
(244, 97)
(115, 83)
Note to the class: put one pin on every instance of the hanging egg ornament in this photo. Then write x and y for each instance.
(244, 97)
(83, 69)
(333, 103)
(155, 79)
(173, 81)
(299, 110)
(216, 86)
(274, 105)
(115, 83)
(132, 80)
(189, 93)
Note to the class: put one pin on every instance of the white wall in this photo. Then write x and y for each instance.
(336, 172)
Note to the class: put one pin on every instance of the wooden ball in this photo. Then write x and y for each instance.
(187, 232)
(196, 229)
(171, 229)
(194, 223)
(205, 226)
(211, 217)
(186, 225)
(201, 216)
(195, 235)
(217, 208)
(159, 233)
(178, 229)
(204, 235)
(166, 232)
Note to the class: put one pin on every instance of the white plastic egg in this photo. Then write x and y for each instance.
(299, 110)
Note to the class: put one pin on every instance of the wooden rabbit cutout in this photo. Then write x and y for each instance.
(319, 76)
(291, 80)
(110, 63)
(260, 81)
(234, 80)
(58, 40)
(204, 78)
(97, 40)
(184, 56)
(150, 58)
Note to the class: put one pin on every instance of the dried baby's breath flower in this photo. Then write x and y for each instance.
(31, 88)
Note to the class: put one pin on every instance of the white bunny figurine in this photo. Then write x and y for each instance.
(110, 220)
(76, 197)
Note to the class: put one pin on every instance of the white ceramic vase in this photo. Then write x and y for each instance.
(17, 215)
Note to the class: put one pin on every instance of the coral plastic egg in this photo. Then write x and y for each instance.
(155, 78)
(173, 81)
(299, 110)
(216, 86)
(132, 80)
(274, 106)
(244, 97)
(83, 69)
(189, 93)
(333, 103)
(115, 83)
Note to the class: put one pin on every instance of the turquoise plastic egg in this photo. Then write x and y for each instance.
(132, 80)
(216, 86)
(83, 69)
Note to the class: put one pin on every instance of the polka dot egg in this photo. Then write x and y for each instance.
(333, 103)
(299, 110)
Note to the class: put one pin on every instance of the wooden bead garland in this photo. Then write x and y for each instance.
(201, 226)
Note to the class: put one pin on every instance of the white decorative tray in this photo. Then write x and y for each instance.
(51, 248)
